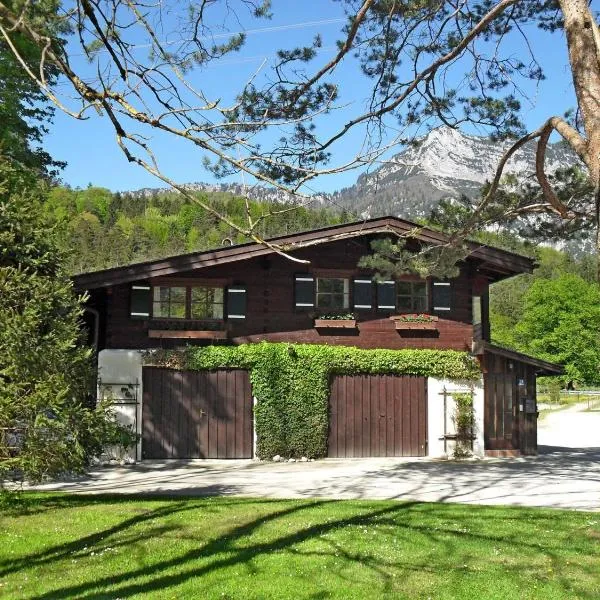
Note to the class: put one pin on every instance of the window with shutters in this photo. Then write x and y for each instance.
(333, 293)
(195, 302)
(411, 296)
(206, 302)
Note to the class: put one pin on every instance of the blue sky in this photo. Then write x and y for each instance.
(93, 157)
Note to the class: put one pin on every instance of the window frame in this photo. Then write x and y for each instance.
(191, 302)
(170, 287)
(346, 294)
(188, 286)
(412, 296)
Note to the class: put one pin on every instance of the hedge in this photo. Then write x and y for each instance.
(291, 383)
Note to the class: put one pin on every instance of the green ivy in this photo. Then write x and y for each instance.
(291, 383)
(463, 417)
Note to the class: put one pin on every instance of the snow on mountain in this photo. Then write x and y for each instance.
(445, 163)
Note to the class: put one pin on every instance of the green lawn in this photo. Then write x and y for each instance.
(67, 546)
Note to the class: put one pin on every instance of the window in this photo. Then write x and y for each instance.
(411, 296)
(187, 302)
(169, 302)
(333, 293)
(206, 303)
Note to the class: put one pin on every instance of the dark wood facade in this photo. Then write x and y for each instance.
(377, 415)
(510, 407)
(272, 315)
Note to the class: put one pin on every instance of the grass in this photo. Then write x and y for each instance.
(68, 546)
(566, 401)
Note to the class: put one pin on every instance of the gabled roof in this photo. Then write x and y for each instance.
(498, 263)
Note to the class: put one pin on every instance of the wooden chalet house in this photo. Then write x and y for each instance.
(248, 293)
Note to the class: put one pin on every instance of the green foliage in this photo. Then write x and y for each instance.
(464, 415)
(551, 386)
(24, 109)
(291, 383)
(561, 323)
(392, 258)
(99, 229)
(334, 316)
(45, 374)
(520, 312)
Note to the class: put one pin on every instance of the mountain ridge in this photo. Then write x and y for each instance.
(445, 163)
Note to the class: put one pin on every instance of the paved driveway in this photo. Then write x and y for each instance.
(564, 475)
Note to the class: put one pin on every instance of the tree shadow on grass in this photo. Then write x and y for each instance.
(447, 534)
(23, 506)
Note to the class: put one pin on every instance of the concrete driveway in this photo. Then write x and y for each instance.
(563, 476)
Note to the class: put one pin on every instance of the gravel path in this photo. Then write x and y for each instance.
(574, 427)
(565, 475)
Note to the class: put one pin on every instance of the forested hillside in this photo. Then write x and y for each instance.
(100, 229)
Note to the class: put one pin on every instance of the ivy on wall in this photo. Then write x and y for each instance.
(291, 383)
(464, 419)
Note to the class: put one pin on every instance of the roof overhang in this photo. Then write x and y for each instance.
(495, 263)
(542, 367)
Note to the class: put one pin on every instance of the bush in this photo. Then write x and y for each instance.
(45, 372)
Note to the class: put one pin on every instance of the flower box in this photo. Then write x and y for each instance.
(335, 323)
(412, 322)
(194, 334)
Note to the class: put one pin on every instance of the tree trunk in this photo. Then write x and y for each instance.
(583, 39)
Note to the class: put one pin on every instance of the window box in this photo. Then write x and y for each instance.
(188, 329)
(335, 323)
(193, 334)
(414, 321)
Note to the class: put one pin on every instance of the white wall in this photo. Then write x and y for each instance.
(435, 415)
(117, 369)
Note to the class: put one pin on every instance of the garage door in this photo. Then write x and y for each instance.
(377, 415)
(196, 414)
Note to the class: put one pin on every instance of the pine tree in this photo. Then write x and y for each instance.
(46, 424)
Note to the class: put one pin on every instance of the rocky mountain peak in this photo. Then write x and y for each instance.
(443, 164)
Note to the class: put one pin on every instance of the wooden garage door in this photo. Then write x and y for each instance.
(377, 415)
(196, 414)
